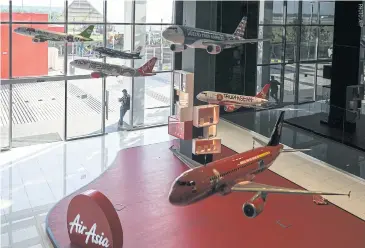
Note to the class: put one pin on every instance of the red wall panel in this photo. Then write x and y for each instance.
(29, 59)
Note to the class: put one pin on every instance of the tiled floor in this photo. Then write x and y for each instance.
(31, 186)
(33, 179)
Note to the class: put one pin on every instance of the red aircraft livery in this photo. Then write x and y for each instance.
(235, 173)
(232, 102)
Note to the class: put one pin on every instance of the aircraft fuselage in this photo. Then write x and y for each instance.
(116, 54)
(44, 35)
(195, 37)
(229, 99)
(104, 68)
(219, 176)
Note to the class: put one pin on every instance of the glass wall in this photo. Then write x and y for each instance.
(44, 98)
(300, 37)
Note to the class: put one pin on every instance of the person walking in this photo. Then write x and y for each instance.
(125, 106)
(274, 88)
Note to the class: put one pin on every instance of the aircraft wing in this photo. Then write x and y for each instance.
(234, 42)
(257, 187)
(188, 161)
(40, 37)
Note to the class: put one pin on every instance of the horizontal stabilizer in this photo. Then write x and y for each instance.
(296, 150)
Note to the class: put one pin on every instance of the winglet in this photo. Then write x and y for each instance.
(349, 194)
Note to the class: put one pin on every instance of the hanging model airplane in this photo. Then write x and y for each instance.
(214, 42)
(101, 69)
(232, 102)
(108, 52)
(40, 35)
(235, 174)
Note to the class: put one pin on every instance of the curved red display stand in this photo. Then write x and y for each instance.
(93, 222)
(138, 184)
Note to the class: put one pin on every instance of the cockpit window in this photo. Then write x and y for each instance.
(181, 183)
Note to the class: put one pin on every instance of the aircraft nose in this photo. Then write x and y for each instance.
(165, 34)
(176, 198)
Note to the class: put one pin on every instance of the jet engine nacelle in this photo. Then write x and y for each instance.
(252, 209)
(177, 48)
(214, 49)
(37, 40)
(229, 108)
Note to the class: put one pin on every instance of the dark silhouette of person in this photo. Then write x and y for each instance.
(274, 88)
(125, 106)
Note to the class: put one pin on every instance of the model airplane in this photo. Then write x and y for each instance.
(40, 35)
(107, 52)
(214, 42)
(235, 174)
(101, 69)
(233, 102)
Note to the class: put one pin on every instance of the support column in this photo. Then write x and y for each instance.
(127, 44)
(138, 83)
(249, 55)
(199, 62)
(236, 67)
(345, 60)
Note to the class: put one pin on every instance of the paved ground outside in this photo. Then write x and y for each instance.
(38, 109)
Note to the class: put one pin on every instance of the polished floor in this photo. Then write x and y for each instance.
(306, 171)
(35, 178)
(323, 149)
(149, 220)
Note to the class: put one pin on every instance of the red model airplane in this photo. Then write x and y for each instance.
(235, 173)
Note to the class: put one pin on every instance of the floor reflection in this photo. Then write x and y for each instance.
(30, 186)
(336, 154)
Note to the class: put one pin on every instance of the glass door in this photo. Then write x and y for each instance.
(84, 108)
(85, 98)
(117, 114)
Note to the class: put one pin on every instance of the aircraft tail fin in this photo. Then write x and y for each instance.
(240, 30)
(87, 32)
(276, 133)
(264, 92)
(138, 50)
(147, 68)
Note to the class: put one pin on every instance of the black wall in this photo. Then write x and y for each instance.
(236, 67)
(345, 58)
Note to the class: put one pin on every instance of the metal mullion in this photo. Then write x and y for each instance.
(317, 51)
(132, 48)
(93, 23)
(52, 23)
(84, 137)
(297, 55)
(283, 45)
(314, 61)
(10, 138)
(65, 68)
(103, 103)
(152, 24)
(267, 64)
